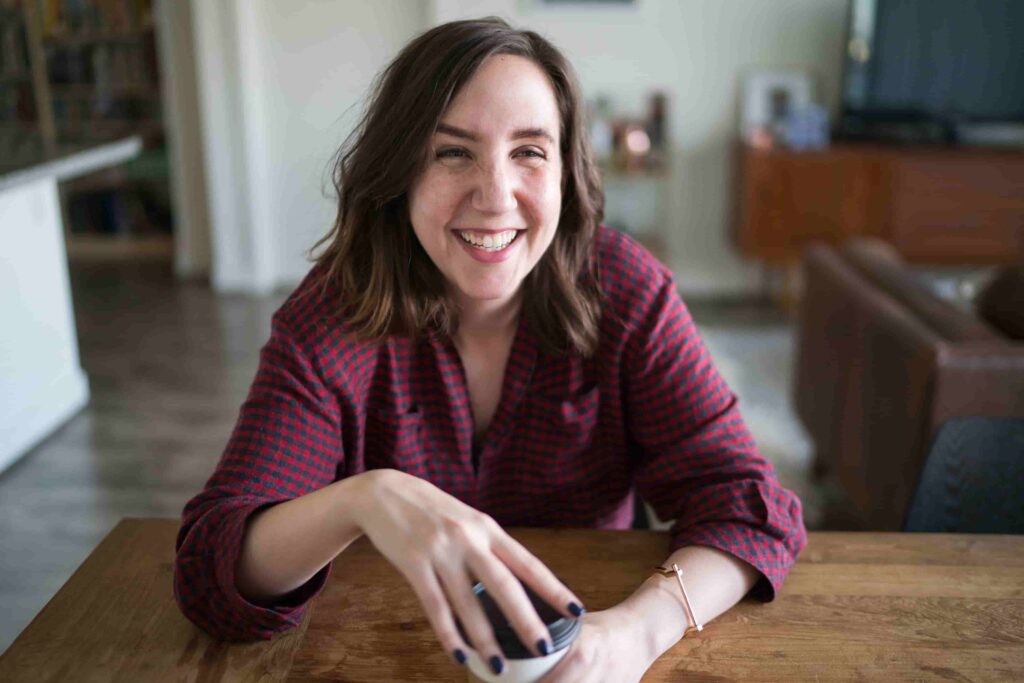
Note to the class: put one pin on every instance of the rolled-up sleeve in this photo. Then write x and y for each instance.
(696, 462)
(285, 444)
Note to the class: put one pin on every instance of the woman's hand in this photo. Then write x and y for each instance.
(608, 648)
(442, 546)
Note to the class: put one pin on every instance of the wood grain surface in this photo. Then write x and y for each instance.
(858, 606)
(953, 205)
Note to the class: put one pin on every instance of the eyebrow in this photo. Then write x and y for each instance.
(517, 134)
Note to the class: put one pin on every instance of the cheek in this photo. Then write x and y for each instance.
(551, 204)
(545, 194)
(554, 191)
(430, 206)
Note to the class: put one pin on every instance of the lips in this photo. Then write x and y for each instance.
(488, 246)
(489, 241)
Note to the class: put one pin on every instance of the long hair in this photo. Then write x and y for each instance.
(371, 257)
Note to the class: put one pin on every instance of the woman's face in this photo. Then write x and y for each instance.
(486, 206)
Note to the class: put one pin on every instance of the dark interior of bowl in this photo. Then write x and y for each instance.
(562, 630)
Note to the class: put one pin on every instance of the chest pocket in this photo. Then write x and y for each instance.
(394, 440)
(556, 437)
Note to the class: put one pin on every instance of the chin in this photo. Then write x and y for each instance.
(490, 293)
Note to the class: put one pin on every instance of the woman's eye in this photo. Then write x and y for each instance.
(458, 154)
(531, 153)
(451, 153)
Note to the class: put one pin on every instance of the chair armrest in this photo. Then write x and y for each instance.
(977, 379)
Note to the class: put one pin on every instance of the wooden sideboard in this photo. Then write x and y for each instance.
(936, 205)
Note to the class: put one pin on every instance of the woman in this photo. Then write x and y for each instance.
(471, 351)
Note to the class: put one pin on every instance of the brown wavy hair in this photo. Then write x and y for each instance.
(388, 285)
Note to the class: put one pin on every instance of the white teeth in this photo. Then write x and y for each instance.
(489, 242)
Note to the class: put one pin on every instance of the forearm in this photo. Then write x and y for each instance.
(715, 582)
(286, 545)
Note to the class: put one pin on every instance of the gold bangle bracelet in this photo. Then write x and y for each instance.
(678, 573)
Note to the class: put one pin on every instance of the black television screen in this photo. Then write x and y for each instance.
(944, 61)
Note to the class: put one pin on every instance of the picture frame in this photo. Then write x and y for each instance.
(598, 3)
(768, 96)
(589, 5)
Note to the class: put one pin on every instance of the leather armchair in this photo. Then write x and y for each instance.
(882, 364)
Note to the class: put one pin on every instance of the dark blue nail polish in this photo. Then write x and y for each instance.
(542, 646)
(497, 666)
(576, 609)
(460, 656)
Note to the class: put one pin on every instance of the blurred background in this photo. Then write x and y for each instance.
(837, 185)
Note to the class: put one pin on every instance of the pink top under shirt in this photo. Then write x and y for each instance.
(569, 443)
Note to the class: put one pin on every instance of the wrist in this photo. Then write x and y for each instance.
(643, 624)
(355, 498)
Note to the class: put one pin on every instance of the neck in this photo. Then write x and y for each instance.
(488, 319)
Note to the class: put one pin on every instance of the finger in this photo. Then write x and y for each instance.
(435, 604)
(536, 575)
(506, 590)
(459, 589)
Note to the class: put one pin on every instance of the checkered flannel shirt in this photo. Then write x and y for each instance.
(570, 442)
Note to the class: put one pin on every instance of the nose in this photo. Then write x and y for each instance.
(495, 189)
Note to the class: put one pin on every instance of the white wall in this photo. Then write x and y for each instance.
(41, 380)
(696, 51)
(319, 64)
(238, 251)
(282, 84)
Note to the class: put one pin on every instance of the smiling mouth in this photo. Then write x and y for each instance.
(489, 241)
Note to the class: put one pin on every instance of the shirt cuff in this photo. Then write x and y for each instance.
(209, 596)
(763, 551)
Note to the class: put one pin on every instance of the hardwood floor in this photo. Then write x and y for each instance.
(168, 366)
(170, 363)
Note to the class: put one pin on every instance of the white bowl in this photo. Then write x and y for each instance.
(515, 671)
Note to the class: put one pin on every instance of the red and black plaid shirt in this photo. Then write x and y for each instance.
(570, 441)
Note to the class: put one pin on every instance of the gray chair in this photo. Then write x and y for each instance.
(973, 479)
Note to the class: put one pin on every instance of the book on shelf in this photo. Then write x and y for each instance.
(13, 48)
(70, 17)
(97, 80)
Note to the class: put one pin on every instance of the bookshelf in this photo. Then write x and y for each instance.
(75, 74)
(637, 202)
(633, 152)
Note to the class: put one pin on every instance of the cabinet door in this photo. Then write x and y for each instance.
(789, 199)
(958, 210)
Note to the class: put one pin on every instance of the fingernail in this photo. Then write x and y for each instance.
(460, 656)
(542, 646)
(576, 610)
(497, 666)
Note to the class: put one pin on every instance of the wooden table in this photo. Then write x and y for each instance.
(856, 606)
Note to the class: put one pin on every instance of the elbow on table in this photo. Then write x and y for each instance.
(226, 617)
